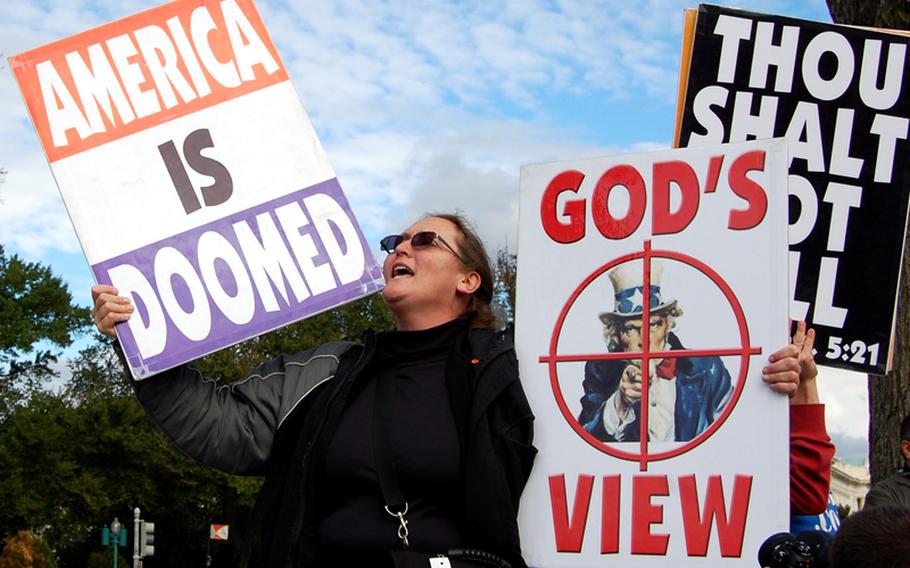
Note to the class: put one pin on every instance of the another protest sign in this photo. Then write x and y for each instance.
(642, 459)
(194, 179)
(840, 96)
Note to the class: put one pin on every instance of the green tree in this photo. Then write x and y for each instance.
(25, 550)
(889, 397)
(72, 461)
(894, 14)
(36, 314)
(505, 273)
(105, 559)
(96, 373)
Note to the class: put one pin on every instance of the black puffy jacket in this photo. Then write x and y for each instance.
(279, 420)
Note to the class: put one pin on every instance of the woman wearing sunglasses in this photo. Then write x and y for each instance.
(414, 444)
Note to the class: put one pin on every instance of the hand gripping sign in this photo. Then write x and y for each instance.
(658, 439)
(193, 178)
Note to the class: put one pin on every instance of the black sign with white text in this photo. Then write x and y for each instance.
(841, 97)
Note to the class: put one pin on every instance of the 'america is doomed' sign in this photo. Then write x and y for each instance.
(194, 179)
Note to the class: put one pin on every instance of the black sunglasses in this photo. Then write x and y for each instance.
(421, 239)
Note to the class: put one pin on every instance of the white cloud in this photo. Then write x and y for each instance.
(397, 90)
(32, 217)
(393, 179)
(846, 398)
(852, 449)
(352, 61)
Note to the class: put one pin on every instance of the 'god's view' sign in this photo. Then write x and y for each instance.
(651, 290)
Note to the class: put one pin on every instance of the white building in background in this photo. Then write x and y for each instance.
(849, 484)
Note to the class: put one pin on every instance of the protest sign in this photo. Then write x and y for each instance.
(839, 96)
(689, 465)
(194, 179)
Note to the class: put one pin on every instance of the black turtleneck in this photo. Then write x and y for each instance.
(423, 440)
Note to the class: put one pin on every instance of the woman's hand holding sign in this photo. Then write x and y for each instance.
(109, 309)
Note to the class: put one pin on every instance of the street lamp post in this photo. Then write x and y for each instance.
(115, 539)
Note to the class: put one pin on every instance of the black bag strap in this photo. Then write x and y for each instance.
(459, 377)
(396, 504)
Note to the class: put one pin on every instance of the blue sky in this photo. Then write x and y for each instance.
(421, 106)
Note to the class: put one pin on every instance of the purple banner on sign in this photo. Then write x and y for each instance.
(240, 276)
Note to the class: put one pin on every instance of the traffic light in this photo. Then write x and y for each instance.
(146, 539)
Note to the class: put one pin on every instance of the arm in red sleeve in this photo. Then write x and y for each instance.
(811, 452)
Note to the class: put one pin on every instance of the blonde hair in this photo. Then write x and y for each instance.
(475, 258)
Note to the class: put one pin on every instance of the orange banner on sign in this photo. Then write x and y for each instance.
(132, 74)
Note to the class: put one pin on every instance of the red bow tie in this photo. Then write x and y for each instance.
(667, 369)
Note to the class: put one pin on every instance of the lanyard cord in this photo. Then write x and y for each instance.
(396, 504)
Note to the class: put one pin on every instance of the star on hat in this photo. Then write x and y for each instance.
(628, 286)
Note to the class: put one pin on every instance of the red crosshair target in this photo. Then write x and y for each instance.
(744, 351)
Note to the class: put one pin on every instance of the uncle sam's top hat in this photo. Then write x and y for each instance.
(628, 286)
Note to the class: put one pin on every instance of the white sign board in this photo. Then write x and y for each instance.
(685, 463)
(194, 179)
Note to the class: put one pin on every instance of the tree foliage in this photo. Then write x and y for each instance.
(894, 14)
(72, 461)
(506, 272)
(889, 396)
(25, 550)
(36, 313)
(105, 559)
(96, 374)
